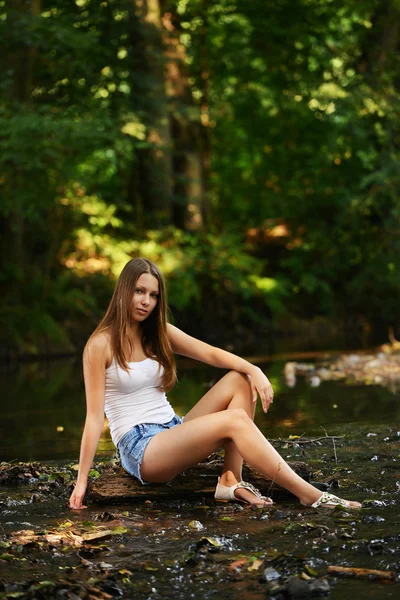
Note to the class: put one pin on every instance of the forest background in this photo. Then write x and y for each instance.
(250, 148)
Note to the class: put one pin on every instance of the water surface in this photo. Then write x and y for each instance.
(42, 418)
(44, 407)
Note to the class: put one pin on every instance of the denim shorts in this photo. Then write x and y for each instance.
(133, 444)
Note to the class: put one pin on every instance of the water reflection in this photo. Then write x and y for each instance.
(44, 407)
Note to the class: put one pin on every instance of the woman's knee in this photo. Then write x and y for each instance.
(238, 380)
(237, 418)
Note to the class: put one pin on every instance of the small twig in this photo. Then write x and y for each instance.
(333, 442)
(307, 440)
(334, 450)
(330, 437)
(274, 479)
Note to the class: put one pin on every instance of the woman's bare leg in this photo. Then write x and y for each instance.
(173, 451)
(231, 391)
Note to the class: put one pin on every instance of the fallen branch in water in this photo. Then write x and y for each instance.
(362, 573)
(200, 480)
(303, 440)
(67, 534)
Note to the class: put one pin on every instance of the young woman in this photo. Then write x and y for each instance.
(128, 368)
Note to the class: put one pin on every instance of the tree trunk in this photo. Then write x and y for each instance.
(382, 43)
(22, 62)
(118, 486)
(152, 185)
(186, 132)
(205, 115)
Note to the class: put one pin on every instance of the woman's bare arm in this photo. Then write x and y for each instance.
(191, 347)
(95, 360)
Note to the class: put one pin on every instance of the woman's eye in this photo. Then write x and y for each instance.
(138, 291)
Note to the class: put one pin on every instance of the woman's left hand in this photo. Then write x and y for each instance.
(260, 385)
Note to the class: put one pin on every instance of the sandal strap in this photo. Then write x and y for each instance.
(327, 498)
(246, 486)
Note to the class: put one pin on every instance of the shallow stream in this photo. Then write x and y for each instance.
(199, 549)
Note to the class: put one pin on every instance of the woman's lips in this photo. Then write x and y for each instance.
(142, 311)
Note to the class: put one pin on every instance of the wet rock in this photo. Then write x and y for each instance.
(111, 587)
(290, 374)
(88, 552)
(376, 547)
(373, 364)
(372, 519)
(380, 369)
(105, 516)
(298, 588)
(374, 503)
(324, 374)
(194, 558)
(320, 587)
(351, 359)
(315, 381)
(281, 514)
(212, 544)
(196, 525)
(34, 498)
(321, 485)
(303, 368)
(270, 574)
(275, 590)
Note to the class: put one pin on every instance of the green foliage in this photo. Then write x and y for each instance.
(286, 113)
(210, 277)
(216, 280)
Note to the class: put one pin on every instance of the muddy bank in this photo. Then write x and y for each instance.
(381, 368)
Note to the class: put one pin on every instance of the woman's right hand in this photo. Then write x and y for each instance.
(77, 495)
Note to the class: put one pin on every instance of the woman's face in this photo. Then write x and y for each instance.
(145, 297)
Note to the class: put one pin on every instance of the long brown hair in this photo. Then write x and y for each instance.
(118, 321)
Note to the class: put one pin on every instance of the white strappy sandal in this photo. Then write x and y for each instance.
(327, 500)
(224, 493)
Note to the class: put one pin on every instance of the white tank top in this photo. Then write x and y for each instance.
(134, 397)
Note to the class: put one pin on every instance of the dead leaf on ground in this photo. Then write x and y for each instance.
(236, 564)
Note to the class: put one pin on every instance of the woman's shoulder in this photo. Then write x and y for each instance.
(100, 338)
(99, 347)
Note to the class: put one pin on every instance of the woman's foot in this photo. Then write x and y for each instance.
(240, 491)
(327, 500)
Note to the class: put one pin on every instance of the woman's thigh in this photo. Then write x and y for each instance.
(171, 452)
(232, 390)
